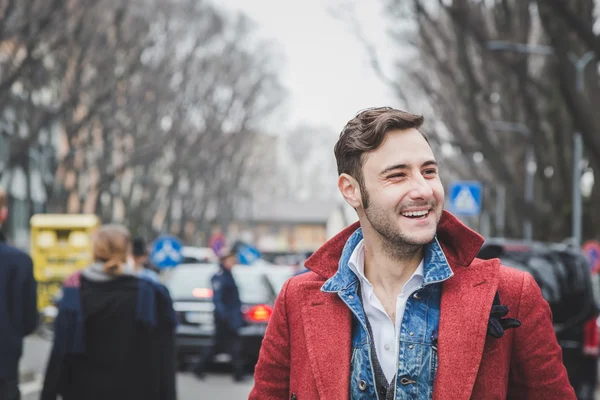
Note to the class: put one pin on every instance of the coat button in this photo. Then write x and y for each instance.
(416, 296)
(406, 381)
(293, 397)
(411, 347)
(351, 297)
(362, 385)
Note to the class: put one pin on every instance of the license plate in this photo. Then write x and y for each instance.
(202, 318)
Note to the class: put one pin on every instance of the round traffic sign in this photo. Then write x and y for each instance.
(166, 252)
(592, 251)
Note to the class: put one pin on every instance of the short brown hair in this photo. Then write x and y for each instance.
(112, 245)
(366, 132)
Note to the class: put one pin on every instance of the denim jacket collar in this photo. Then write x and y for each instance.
(435, 264)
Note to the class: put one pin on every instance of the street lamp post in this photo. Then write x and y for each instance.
(576, 215)
(530, 169)
(579, 63)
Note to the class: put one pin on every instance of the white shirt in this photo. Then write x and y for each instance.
(385, 331)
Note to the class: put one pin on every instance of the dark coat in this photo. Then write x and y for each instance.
(226, 297)
(18, 307)
(114, 340)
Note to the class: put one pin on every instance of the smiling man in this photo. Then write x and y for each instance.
(397, 306)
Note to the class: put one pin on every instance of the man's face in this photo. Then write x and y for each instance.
(405, 194)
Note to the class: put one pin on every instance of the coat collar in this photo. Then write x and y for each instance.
(459, 244)
(327, 325)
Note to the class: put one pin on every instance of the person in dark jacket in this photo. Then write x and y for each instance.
(114, 334)
(229, 319)
(18, 309)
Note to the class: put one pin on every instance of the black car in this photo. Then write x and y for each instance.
(563, 275)
(190, 288)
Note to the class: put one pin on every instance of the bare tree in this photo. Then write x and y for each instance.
(145, 112)
(208, 96)
(469, 86)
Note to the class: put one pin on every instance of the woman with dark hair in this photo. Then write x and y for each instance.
(114, 333)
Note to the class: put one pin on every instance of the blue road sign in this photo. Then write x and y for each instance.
(465, 198)
(166, 252)
(247, 254)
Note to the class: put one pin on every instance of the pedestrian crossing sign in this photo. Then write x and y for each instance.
(465, 198)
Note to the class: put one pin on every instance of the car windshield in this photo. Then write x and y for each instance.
(252, 284)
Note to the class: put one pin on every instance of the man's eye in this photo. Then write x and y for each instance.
(397, 176)
(430, 171)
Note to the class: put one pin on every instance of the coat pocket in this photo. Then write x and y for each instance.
(492, 344)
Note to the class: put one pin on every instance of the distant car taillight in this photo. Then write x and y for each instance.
(259, 313)
(202, 293)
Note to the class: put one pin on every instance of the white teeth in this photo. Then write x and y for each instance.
(415, 213)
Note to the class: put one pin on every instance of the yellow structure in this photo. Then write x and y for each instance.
(60, 245)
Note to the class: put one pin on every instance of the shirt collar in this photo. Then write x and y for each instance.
(435, 266)
(356, 263)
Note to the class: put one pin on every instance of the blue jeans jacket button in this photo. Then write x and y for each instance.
(407, 381)
(362, 385)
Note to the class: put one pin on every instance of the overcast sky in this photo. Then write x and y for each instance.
(327, 72)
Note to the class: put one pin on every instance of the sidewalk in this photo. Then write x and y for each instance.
(33, 363)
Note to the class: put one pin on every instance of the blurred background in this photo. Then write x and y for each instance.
(215, 121)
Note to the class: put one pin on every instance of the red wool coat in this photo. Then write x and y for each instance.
(306, 351)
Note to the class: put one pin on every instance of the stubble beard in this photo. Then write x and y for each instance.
(396, 244)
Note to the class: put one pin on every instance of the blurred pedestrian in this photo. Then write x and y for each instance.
(18, 308)
(141, 260)
(229, 319)
(397, 305)
(114, 334)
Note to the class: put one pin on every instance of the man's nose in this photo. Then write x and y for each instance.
(420, 188)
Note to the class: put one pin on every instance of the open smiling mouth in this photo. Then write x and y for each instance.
(416, 214)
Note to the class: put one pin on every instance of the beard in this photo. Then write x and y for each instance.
(397, 243)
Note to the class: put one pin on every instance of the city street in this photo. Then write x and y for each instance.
(216, 385)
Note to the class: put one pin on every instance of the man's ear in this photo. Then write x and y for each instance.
(350, 190)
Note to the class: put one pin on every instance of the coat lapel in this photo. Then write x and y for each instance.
(328, 330)
(465, 310)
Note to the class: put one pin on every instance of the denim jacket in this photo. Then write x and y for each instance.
(417, 356)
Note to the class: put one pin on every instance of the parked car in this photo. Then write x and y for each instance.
(198, 255)
(191, 290)
(563, 275)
